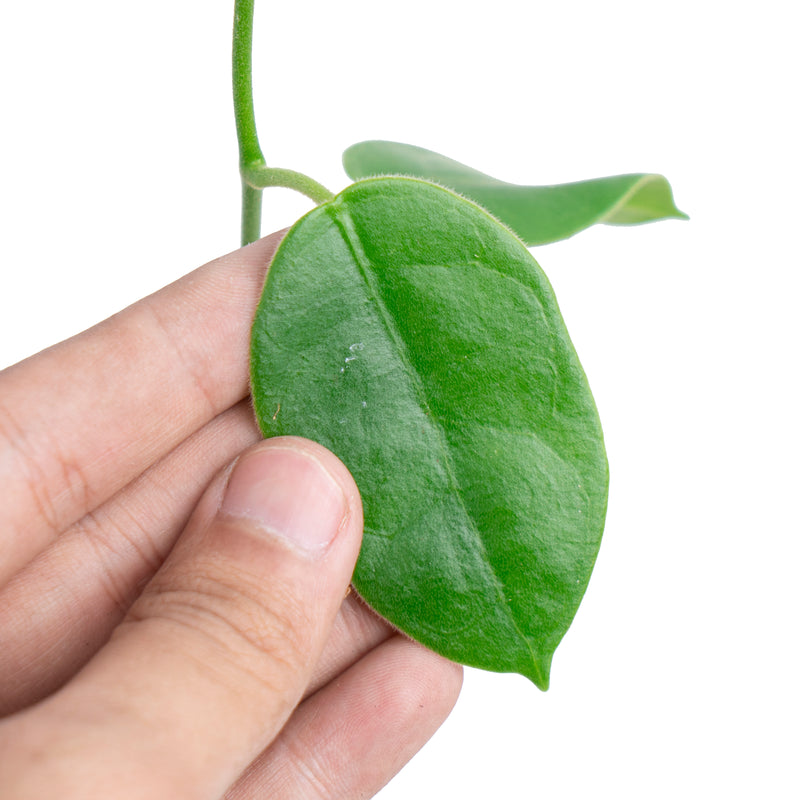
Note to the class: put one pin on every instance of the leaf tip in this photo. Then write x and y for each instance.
(538, 671)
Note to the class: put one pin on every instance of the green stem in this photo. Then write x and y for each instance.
(259, 176)
(249, 148)
(250, 154)
(256, 175)
(251, 214)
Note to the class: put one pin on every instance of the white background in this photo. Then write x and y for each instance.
(679, 676)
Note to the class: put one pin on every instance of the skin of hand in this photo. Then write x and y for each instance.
(174, 609)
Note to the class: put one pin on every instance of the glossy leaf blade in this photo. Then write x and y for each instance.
(416, 337)
(537, 214)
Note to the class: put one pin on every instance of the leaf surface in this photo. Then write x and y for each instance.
(537, 214)
(408, 331)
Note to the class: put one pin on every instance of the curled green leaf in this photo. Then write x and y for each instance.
(415, 336)
(537, 214)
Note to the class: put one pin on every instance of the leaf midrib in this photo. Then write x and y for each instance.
(344, 222)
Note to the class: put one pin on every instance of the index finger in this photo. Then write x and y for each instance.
(82, 419)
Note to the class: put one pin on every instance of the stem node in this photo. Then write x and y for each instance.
(255, 173)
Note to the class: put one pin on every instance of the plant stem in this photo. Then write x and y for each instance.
(252, 164)
(251, 213)
(259, 176)
(250, 154)
(249, 149)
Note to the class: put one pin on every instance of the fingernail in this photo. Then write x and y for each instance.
(288, 493)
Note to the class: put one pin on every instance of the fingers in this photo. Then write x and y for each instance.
(219, 648)
(84, 418)
(356, 631)
(351, 738)
(58, 611)
(61, 608)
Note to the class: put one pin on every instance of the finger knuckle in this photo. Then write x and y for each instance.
(258, 630)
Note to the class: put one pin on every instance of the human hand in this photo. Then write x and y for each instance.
(172, 627)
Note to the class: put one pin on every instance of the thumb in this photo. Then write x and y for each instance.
(217, 651)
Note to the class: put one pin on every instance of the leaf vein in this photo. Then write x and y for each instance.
(343, 220)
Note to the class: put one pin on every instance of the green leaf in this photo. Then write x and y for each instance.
(411, 333)
(537, 214)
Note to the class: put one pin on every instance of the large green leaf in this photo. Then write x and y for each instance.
(537, 214)
(415, 336)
